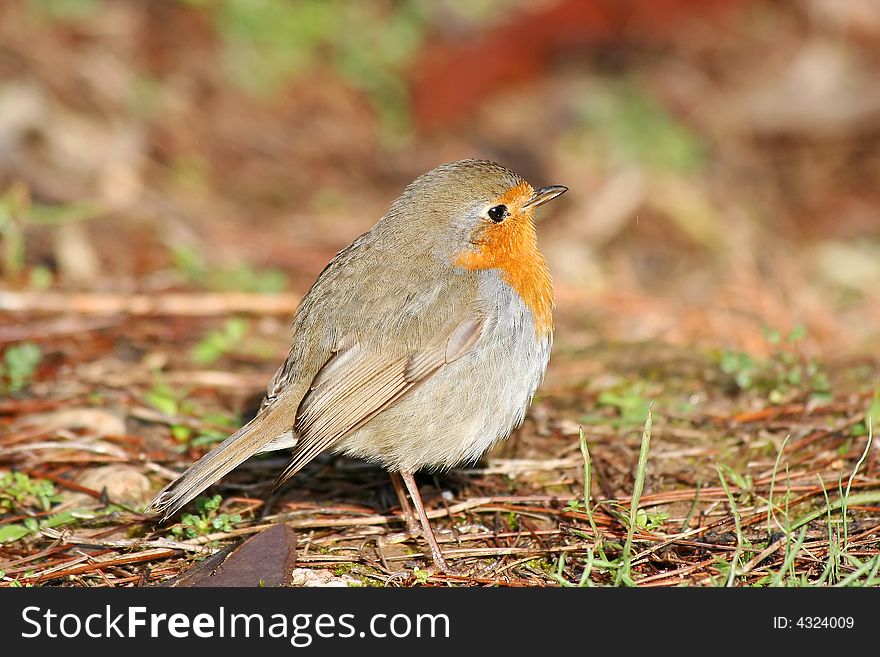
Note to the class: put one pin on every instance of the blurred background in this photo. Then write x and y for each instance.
(723, 156)
(174, 174)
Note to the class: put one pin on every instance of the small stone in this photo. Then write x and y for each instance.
(308, 577)
(124, 483)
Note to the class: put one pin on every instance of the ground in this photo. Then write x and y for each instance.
(174, 175)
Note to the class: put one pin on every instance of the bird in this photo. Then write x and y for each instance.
(419, 346)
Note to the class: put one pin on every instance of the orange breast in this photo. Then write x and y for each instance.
(512, 248)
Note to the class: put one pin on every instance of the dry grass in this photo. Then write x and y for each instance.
(785, 494)
(723, 179)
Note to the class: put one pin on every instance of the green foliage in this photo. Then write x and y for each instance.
(740, 366)
(40, 278)
(18, 366)
(650, 521)
(220, 342)
(587, 503)
(513, 521)
(873, 412)
(17, 212)
(63, 11)
(268, 44)
(14, 205)
(421, 575)
(629, 400)
(245, 278)
(783, 372)
(623, 576)
(207, 521)
(835, 513)
(18, 492)
(239, 278)
(171, 403)
(743, 482)
(208, 435)
(872, 416)
(634, 127)
(66, 213)
(731, 567)
(174, 404)
(617, 568)
(16, 531)
(163, 398)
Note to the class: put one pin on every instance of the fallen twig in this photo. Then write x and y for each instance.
(105, 303)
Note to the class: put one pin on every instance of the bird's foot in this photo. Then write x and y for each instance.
(440, 562)
(413, 530)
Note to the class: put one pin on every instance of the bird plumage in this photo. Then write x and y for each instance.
(418, 346)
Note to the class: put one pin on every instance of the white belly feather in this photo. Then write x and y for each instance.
(463, 409)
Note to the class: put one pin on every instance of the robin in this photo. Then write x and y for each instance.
(419, 346)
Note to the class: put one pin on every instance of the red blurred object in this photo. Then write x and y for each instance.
(452, 78)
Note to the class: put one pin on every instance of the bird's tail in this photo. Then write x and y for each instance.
(257, 435)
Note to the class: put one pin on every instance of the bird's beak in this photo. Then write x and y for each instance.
(544, 194)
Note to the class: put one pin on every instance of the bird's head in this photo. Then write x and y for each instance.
(479, 215)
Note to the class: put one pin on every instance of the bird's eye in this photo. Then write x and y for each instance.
(498, 213)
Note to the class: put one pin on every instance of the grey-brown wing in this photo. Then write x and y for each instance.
(360, 381)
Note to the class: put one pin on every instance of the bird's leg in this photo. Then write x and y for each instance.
(412, 525)
(427, 532)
